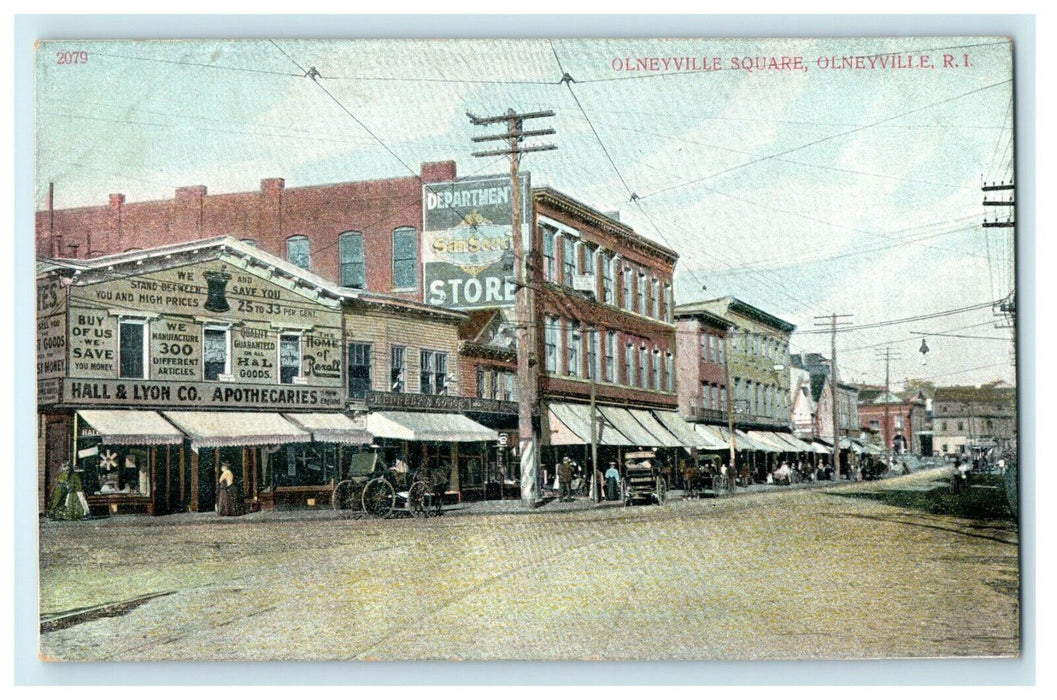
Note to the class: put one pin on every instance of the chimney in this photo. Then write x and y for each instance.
(439, 171)
(112, 242)
(270, 233)
(187, 213)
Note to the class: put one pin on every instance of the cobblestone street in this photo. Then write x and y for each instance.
(775, 574)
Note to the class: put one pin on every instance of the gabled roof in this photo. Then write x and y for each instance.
(208, 248)
(475, 324)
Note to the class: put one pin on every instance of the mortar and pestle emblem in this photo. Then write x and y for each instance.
(218, 282)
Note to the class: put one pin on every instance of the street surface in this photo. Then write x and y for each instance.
(775, 574)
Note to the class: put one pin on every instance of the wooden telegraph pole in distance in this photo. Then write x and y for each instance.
(887, 434)
(834, 324)
(528, 441)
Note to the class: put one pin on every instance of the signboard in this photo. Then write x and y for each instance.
(147, 394)
(386, 400)
(51, 330)
(256, 310)
(467, 241)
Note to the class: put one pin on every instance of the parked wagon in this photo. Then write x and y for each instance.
(705, 479)
(372, 488)
(643, 481)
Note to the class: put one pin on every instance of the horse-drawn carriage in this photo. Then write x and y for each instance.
(373, 488)
(704, 478)
(643, 481)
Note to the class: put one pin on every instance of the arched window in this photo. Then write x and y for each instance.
(353, 264)
(297, 251)
(405, 258)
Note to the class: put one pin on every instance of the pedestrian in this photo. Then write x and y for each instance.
(565, 480)
(439, 476)
(225, 491)
(612, 482)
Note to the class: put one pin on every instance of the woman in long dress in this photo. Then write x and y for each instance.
(225, 491)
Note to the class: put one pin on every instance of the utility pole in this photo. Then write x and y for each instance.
(733, 476)
(993, 197)
(594, 341)
(834, 324)
(528, 441)
(886, 434)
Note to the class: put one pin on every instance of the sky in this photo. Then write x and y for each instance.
(799, 187)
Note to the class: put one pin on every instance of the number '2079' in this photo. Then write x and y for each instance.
(66, 58)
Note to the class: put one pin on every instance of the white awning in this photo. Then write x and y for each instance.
(797, 444)
(662, 435)
(221, 429)
(685, 432)
(332, 427)
(570, 424)
(132, 427)
(769, 439)
(631, 428)
(821, 449)
(428, 427)
(716, 438)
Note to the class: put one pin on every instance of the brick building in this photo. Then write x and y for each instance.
(356, 234)
(905, 430)
(701, 339)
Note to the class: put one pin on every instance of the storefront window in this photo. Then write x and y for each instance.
(306, 464)
(215, 352)
(133, 349)
(289, 358)
(405, 258)
(397, 368)
(118, 469)
(359, 370)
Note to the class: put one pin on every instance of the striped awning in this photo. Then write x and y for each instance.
(428, 427)
(222, 429)
(716, 438)
(131, 427)
(663, 436)
(686, 433)
(629, 427)
(332, 427)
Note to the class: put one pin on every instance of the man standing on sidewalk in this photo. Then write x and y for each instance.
(565, 480)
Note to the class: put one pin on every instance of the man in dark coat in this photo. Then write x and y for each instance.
(565, 480)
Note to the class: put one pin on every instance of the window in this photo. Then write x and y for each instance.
(289, 358)
(353, 267)
(609, 288)
(629, 292)
(590, 260)
(899, 422)
(592, 354)
(875, 425)
(550, 239)
(629, 365)
(551, 343)
(398, 370)
(297, 251)
(509, 386)
(656, 298)
(644, 367)
(134, 353)
(669, 373)
(359, 370)
(480, 383)
(215, 352)
(961, 426)
(668, 305)
(405, 258)
(575, 339)
(434, 373)
(943, 426)
(643, 292)
(611, 357)
(568, 262)
(655, 374)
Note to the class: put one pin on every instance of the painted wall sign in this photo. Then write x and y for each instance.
(51, 330)
(132, 392)
(258, 311)
(467, 242)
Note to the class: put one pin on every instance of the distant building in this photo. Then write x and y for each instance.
(758, 358)
(802, 403)
(819, 368)
(906, 429)
(964, 417)
(701, 340)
